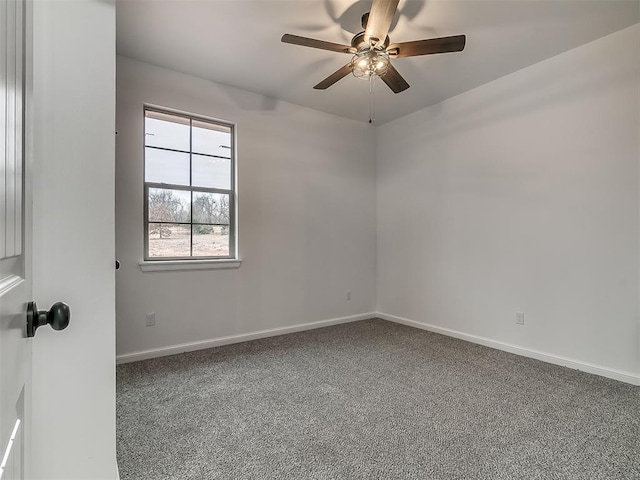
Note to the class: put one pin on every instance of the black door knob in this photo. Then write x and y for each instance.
(58, 317)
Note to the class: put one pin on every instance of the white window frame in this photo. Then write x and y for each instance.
(200, 262)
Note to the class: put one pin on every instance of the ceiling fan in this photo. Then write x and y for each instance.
(372, 49)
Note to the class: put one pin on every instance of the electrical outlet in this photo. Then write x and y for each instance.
(520, 318)
(150, 319)
(348, 294)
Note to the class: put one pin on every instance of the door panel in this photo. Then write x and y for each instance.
(11, 18)
(15, 372)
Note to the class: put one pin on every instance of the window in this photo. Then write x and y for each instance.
(189, 165)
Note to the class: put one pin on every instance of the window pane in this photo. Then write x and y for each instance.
(211, 172)
(212, 139)
(182, 152)
(210, 208)
(162, 166)
(169, 205)
(210, 241)
(168, 240)
(166, 131)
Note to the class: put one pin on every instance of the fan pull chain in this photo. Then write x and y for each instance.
(372, 98)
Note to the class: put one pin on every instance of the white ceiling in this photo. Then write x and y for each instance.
(237, 43)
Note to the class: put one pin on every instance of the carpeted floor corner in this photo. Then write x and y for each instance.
(371, 400)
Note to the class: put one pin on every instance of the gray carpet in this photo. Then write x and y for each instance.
(371, 400)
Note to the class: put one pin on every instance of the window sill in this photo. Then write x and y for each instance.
(174, 265)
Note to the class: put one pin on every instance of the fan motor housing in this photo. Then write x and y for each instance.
(358, 42)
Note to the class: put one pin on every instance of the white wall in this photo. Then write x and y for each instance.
(306, 209)
(521, 195)
(73, 423)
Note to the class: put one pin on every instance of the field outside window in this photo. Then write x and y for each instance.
(189, 195)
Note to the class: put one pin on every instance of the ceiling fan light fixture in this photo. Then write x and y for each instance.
(371, 55)
(369, 62)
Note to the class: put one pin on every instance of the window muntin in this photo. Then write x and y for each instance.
(189, 166)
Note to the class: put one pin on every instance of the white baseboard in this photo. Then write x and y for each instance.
(245, 337)
(622, 376)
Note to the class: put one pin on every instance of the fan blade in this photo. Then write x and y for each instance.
(334, 77)
(380, 18)
(313, 43)
(427, 47)
(394, 80)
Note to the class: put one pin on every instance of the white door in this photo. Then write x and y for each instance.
(72, 432)
(15, 278)
(57, 405)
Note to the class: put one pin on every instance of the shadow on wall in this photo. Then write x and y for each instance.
(252, 103)
(264, 103)
(509, 102)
